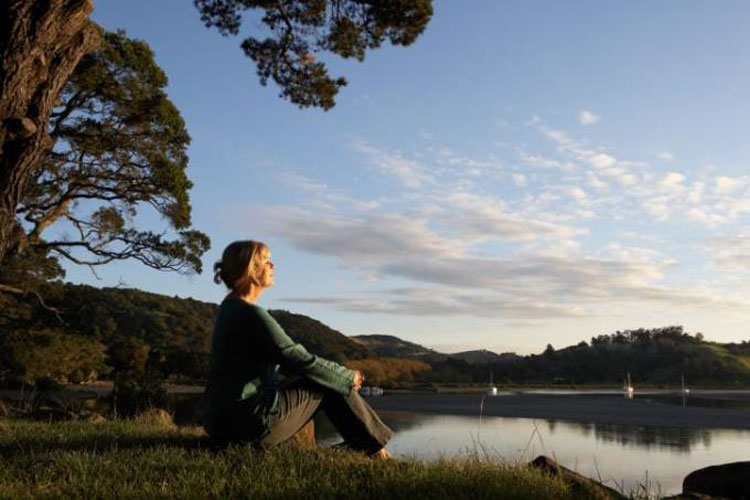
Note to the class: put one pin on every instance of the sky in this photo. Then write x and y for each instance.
(529, 172)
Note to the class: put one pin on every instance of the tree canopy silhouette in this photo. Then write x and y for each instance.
(298, 29)
(118, 145)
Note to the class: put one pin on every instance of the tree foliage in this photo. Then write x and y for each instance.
(388, 371)
(49, 353)
(298, 29)
(119, 145)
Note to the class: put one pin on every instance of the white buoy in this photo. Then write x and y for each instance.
(492, 390)
(685, 391)
(629, 391)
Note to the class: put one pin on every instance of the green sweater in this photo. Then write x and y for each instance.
(248, 347)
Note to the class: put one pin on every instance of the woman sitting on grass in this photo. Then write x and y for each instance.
(245, 399)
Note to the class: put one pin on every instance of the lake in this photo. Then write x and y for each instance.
(653, 440)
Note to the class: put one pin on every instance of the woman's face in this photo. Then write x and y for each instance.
(266, 273)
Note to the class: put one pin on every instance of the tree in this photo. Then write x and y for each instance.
(53, 354)
(297, 29)
(40, 46)
(118, 144)
(41, 43)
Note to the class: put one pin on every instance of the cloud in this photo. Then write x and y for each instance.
(672, 180)
(587, 117)
(576, 194)
(658, 207)
(543, 162)
(411, 173)
(424, 302)
(465, 165)
(515, 244)
(667, 197)
(696, 192)
(726, 185)
(731, 252)
(359, 240)
(529, 287)
(601, 160)
(303, 183)
(595, 182)
(482, 218)
(665, 156)
(519, 180)
(604, 163)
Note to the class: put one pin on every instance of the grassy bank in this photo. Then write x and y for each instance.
(129, 458)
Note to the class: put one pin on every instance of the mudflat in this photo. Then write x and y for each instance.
(646, 410)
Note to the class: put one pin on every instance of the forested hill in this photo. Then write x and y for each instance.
(104, 328)
(388, 346)
(109, 329)
(320, 338)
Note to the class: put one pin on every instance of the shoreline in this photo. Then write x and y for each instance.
(602, 410)
(715, 409)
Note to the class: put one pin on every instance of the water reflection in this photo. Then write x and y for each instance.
(672, 438)
(701, 401)
(623, 456)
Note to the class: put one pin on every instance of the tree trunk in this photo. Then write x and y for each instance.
(41, 42)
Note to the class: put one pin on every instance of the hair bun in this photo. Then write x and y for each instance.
(218, 273)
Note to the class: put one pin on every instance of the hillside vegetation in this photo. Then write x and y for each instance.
(109, 331)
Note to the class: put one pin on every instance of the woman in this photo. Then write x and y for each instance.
(246, 401)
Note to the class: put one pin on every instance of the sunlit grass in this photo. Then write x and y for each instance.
(133, 459)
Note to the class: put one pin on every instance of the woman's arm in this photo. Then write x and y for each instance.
(295, 358)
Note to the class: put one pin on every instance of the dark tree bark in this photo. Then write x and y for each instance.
(41, 42)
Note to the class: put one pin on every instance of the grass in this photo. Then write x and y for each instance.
(128, 459)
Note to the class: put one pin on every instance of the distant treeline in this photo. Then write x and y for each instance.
(100, 332)
(655, 356)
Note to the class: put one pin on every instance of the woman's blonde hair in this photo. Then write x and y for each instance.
(241, 266)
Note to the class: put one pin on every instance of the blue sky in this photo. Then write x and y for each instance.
(528, 172)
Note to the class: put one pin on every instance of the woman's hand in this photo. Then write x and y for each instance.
(359, 379)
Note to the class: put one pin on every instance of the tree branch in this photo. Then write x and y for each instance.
(18, 291)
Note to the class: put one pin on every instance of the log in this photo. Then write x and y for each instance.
(579, 484)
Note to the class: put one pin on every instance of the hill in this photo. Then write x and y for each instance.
(103, 329)
(388, 346)
(483, 356)
(320, 338)
(168, 338)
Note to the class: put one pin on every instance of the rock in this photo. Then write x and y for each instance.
(725, 481)
(95, 418)
(581, 485)
(305, 437)
(156, 417)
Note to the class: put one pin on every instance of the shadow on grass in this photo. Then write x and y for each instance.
(31, 438)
